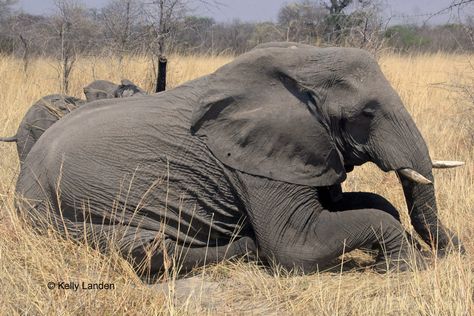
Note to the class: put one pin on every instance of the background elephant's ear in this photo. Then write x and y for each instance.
(126, 82)
(94, 94)
(276, 134)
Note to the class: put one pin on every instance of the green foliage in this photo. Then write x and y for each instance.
(198, 22)
(406, 37)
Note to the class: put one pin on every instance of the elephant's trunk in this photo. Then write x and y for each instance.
(406, 150)
(421, 203)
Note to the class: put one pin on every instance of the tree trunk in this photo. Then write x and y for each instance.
(26, 55)
(161, 76)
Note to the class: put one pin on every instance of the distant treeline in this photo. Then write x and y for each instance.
(38, 36)
(128, 27)
(159, 27)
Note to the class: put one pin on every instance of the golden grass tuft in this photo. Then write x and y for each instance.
(433, 89)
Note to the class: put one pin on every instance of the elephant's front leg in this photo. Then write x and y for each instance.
(346, 230)
(366, 200)
(357, 201)
(294, 229)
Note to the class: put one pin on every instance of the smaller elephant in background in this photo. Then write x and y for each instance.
(41, 115)
(49, 109)
(103, 89)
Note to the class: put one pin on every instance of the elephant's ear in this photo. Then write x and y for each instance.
(133, 87)
(126, 82)
(273, 131)
(95, 94)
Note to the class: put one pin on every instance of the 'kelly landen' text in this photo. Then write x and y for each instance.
(74, 286)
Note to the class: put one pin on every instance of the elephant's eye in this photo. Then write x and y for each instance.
(368, 112)
(370, 109)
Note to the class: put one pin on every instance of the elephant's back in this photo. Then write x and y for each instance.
(139, 153)
(113, 120)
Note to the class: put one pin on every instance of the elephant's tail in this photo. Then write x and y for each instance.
(8, 139)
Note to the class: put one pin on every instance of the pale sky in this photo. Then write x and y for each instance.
(411, 11)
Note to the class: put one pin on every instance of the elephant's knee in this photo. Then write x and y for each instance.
(388, 230)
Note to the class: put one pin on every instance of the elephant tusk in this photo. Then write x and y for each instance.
(442, 164)
(414, 176)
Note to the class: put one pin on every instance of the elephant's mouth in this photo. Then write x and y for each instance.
(355, 157)
(349, 167)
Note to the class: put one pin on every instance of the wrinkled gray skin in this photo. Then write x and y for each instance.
(46, 111)
(247, 159)
(103, 89)
(41, 115)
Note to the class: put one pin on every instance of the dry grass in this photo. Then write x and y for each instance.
(432, 89)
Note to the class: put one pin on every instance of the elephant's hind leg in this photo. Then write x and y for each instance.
(352, 229)
(184, 258)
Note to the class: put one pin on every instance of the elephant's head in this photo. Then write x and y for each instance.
(103, 89)
(307, 115)
(128, 89)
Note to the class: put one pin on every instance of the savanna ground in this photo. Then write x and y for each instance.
(434, 88)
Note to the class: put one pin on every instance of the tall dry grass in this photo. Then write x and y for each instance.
(432, 88)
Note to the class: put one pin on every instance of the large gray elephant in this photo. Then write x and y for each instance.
(46, 111)
(247, 160)
(103, 89)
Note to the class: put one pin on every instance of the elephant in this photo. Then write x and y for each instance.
(246, 161)
(46, 111)
(103, 89)
(41, 115)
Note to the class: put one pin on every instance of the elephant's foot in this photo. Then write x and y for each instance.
(400, 261)
(451, 244)
(413, 256)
